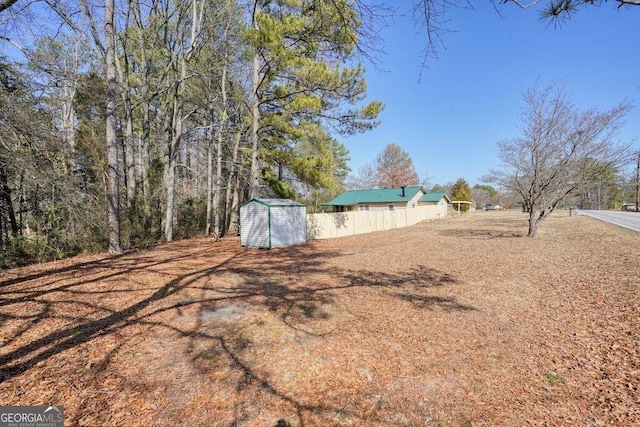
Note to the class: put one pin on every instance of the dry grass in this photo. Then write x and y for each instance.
(460, 322)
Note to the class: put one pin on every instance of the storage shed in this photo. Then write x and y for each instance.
(271, 223)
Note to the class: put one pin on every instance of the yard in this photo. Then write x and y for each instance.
(456, 322)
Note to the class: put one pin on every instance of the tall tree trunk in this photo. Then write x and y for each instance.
(68, 119)
(69, 88)
(130, 156)
(233, 185)
(209, 169)
(234, 208)
(170, 185)
(5, 192)
(173, 132)
(221, 131)
(217, 188)
(534, 219)
(227, 202)
(112, 191)
(129, 140)
(21, 206)
(254, 174)
(143, 162)
(210, 145)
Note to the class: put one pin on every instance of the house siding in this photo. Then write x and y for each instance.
(414, 200)
(384, 206)
(381, 206)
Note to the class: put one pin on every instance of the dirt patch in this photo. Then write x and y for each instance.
(462, 321)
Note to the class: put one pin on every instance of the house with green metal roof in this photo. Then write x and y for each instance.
(379, 199)
(377, 209)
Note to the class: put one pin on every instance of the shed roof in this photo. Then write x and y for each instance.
(275, 202)
(377, 195)
(434, 197)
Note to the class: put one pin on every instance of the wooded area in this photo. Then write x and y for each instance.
(164, 116)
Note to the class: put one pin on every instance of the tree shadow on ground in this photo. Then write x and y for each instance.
(64, 308)
(445, 303)
(482, 234)
(490, 228)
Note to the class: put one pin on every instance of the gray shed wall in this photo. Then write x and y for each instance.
(288, 225)
(272, 223)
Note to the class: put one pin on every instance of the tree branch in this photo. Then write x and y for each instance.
(6, 4)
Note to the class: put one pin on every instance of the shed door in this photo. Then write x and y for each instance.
(254, 225)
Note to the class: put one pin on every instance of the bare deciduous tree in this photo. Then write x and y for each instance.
(363, 178)
(561, 150)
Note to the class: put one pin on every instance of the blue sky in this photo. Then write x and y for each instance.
(450, 119)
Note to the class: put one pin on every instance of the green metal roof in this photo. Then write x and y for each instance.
(433, 197)
(378, 195)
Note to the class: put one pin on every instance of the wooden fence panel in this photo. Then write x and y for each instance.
(340, 224)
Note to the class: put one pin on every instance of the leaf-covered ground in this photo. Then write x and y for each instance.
(461, 322)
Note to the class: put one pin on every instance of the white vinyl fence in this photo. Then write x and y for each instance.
(339, 224)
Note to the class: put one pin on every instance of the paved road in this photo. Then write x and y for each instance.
(630, 220)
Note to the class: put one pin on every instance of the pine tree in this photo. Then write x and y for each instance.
(300, 88)
(462, 192)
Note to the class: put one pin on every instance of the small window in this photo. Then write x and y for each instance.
(391, 207)
(363, 207)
